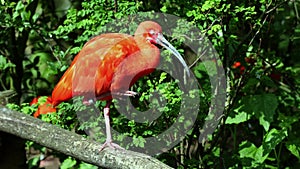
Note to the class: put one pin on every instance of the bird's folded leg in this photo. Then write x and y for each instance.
(130, 93)
(126, 93)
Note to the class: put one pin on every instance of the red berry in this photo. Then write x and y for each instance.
(275, 76)
(242, 69)
(236, 64)
(250, 60)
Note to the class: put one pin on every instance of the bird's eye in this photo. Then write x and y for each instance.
(152, 32)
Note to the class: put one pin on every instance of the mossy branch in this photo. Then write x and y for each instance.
(71, 143)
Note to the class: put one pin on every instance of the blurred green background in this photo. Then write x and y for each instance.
(258, 43)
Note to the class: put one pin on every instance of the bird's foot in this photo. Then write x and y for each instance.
(130, 93)
(88, 102)
(111, 145)
(126, 93)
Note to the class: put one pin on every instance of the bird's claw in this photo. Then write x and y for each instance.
(111, 145)
(130, 93)
(126, 93)
(88, 102)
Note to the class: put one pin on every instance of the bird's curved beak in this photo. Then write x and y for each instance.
(160, 40)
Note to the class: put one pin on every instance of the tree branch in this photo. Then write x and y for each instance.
(71, 143)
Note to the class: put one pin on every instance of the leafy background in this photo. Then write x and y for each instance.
(258, 43)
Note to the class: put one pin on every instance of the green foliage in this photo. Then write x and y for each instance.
(91, 19)
(259, 127)
(257, 156)
(261, 106)
(68, 163)
(24, 107)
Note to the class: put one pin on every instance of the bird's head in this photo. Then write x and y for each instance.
(152, 33)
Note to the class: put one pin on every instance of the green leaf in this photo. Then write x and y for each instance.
(263, 106)
(260, 154)
(190, 13)
(163, 76)
(87, 166)
(251, 83)
(163, 9)
(238, 118)
(287, 121)
(249, 150)
(68, 163)
(207, 66)
(4, 63)
(216, 28)
(138, 141)
(294, 149)
(272, 139)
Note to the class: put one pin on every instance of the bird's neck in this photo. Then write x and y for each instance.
(145, 46)
(149, 52)
(147, 49)
(141, 41)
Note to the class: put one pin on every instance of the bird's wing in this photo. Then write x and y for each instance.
(91, 71)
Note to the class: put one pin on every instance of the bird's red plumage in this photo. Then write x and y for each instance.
(107, 63)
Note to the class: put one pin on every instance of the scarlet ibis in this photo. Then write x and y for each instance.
(104, 66)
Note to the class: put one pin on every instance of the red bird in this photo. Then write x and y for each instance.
(109, 64)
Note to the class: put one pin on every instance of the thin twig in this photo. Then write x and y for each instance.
(256, 33)
(194, 63)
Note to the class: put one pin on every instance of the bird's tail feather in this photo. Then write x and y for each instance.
(44, 108)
